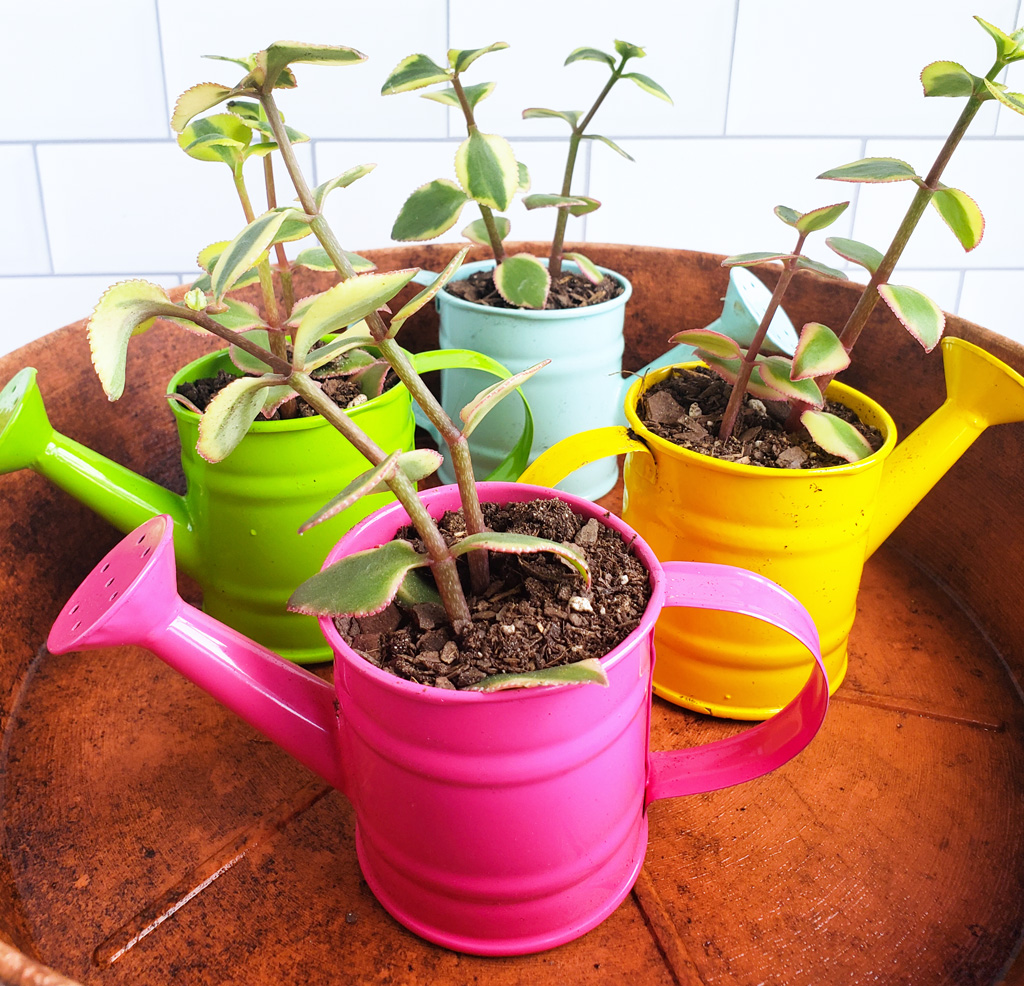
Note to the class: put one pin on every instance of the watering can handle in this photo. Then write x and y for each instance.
(579, 450)
(770, 744)
(509, 469)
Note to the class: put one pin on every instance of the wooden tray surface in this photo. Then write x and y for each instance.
(150, 837)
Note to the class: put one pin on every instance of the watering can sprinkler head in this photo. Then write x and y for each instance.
(25, 429)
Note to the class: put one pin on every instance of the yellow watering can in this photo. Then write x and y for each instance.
(810, 530)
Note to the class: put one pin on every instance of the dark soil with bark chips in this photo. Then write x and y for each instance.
(535, 614)
(568, 290)
(687, 407)
(341, 390)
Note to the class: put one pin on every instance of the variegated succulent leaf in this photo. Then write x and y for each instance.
(347, 302)
(275, 59)
(427, 294)
(834, 435)
(522, 280)
(195, 299)
(487, 170)
(1009, 47)
(873, 169)
(370, 378)
(317, 258)
(339, 356)
(363, 484)
(417, 587)
(776, 372)
(818, 352)
(415, 72)
(476, 231)
(920, 316)
(728, 370)
(627, 50)
(805, 263)
(587, 267)
(432, 209)
(961, 214)
(610, 143)
(758, 257)
(1011, 100)
(520, 544)
(544, 200)
(198, 100)
(524, 176)
(233, 409)
(221, 137)
(648, 84)
(709, 343)
(343, 180)
(855, 251)
(590, 55)
(239, 316)
(949, 79)
(572, 117)
(587, 671)
(360, 584)
(416, 465)
(126, 309)
(461, 58)
(478, 408)
(449, 97)
(246, 249)
(811, 222)
(244, 360)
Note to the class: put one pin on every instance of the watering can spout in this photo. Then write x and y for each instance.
(120, 496)
(130, 598)
(981, 390)
(746, 300)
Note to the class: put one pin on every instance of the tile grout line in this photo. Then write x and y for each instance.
(42, 210)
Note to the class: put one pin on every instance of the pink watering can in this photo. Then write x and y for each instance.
(495, 823)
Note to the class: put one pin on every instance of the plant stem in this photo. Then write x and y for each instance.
(562, 220)
(739, 388)
(497, 247)
(285, 268)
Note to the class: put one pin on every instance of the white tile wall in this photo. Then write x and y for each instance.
(768, 93)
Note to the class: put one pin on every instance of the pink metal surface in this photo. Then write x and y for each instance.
(501, 823)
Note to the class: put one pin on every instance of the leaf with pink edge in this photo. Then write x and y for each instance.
(231, 412)
(961, 214)
(728, 370)
(427, 294)
(921, 317)
(417, 464)
(364, 484)
(805, 263)
(522, 280)
(588, 671)
(835, 435)
(818, 352)
(360, 584)
(872, 169)
(520, 544)
(476, 231)
(475, 411)
(1011, 100)
(197, 100)
(776, 372)
(414, 72)
(855, 251)
(750, 259)
(587, 267)
(710, 342)
(948, 79)
(810, 222)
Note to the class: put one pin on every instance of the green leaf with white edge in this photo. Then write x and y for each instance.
(477, 409)
(345, 303)
(461, 59)
(486, 167)
(805, 263)
(648, 84)
(588, 268)
(245, 361)
(343, 364)
(125, 309)
(543, 200)
(1008, 47)
(427, 294)
(414, 72)
(588, 671)
(209, 255)
(961, 214)
(248, 62)
(590, 55)
(589, 205)
(728, 370)
(429, 211)
(627, 50)
(776, 372)
(477, 230)
(522, 280)
(295, 227)
(360, 584)
(341, 181)
(855, 251)
(417, 464)
(195, 299)
(751, 259)
(276, 396)
(198, 100)
(611, 143)
(523, 177)
(361, 486)
(228, 416)
(215, 147)
(316, 258)
(240, 316)
(948, 79)
(835, 435)
(811, 222)
(572, 117)
(508, 543)
(278, 56)
(818, 352)
(370, 379)
(872, 169)
(336, 349)
(245, 250)
(789, 216)
(921, 317)
(449, 97)
(226, 125)
(1011, 100)
(253, 114)
(709, 342)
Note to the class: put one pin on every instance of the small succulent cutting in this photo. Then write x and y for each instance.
(822, 353)
(488, 173)
(348, 315)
